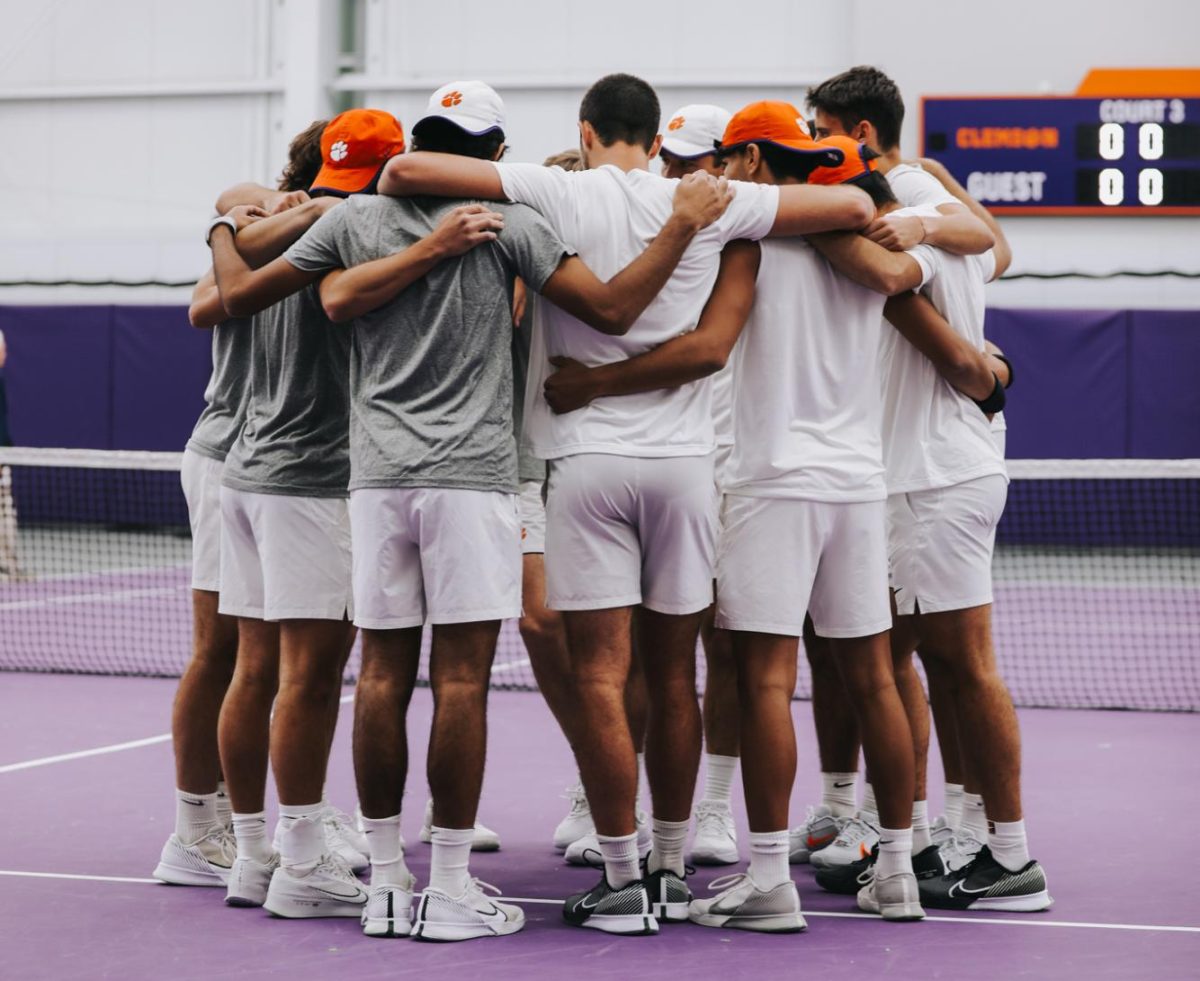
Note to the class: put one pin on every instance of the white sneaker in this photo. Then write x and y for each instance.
(742, 905)
(716, 837)
(894, 897)
(471, 915)
(819, 830)
(388, 912)
(855, 841)
(485, 840)
(578, 821)
(576, 851)
(203, 863)
(249, 881)
(940, 831)
(340, 838)
(959, 850)
(327, 888)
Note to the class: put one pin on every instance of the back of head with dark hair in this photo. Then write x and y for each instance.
(439, 135)
(862, 93)
(304, 158)
(877, 187)
(786, 163)
(622, 109)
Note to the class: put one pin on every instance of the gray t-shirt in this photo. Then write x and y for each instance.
(529, 467)
(227, 392)
(431, 371)
(295, 440)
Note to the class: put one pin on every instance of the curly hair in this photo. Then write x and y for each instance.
(304, 158)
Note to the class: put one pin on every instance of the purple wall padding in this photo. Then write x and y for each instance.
(1164, 416)
(1070, 398)
(161, 365)
(1090, 383)
(59, 375)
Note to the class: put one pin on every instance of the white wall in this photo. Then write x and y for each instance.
(120, 121)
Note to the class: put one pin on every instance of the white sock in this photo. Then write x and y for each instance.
(641, 769)
(895, 851)
(302, 836)
(195, 816)
(974, 819)
(920, 826)
(667, 851)
(954, 805)
(718, 776)
(769, 859)
(1008, 844)
(387, 858)
(838, 793)
(620, 859)
(224, 805)
(250, 830)
(869, 808)
(448, 868)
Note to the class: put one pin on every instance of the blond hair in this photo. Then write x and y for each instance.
(567, 160)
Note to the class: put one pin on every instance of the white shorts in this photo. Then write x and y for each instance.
(780, 558)
(201, 479)
(627, 530)
(533, 517)
(436, 555)
(940, 545)
(285, 557)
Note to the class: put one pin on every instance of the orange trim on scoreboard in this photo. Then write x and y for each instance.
(1173, 210)
(1138, 83)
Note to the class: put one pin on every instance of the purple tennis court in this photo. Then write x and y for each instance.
(85, 761)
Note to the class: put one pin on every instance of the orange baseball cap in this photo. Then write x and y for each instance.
(780, 124)
(354, 146)
(858, 159)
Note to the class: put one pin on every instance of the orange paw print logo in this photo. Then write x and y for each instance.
(676, 123)
(451, 99)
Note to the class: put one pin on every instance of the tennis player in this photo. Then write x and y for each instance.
(631, 511)
(201, 849)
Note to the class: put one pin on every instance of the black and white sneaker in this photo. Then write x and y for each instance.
(847, 880)
(669, 894)
(625, 911)
(985, 884)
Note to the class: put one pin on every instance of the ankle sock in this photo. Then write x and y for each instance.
(302, 837)
(451, 860)
(920, 826)
(954, 805)
(838, 793)
(1007, 842)
(895, 851)
(620, 859)
(250, 831)
(667, 851)
(195, 816)
(974, 817)
(387, 858)
(718, 776)
(769, 859)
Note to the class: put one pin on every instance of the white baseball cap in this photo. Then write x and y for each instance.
(694, 131)
(474, 107)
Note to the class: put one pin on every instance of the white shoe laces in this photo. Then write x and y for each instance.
(713, 819)
(727, 883)
(854, 831)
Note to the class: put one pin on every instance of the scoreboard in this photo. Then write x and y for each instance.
(1070, 155)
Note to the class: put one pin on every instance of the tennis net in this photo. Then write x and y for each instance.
(1097, 576)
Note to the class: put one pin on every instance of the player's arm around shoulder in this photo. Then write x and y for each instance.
(871, 265)
(968, 370)
(440, 175)
(806, 209)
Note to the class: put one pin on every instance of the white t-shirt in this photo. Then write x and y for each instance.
(915, 187)
(933, 436)
(808, 400)
(608, 217)
(722, 399)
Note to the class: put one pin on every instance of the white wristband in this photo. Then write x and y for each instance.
(219, 220)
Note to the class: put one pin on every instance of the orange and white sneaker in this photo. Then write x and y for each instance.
(819, 830)
(856, 839)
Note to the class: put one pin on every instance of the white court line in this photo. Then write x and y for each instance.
(83, 598)
(117, 747)
(510, 665)
(98, 751)
(1031, 921)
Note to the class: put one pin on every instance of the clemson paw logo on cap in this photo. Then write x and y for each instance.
(451, 99)
(340, 150)
(676, 123)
